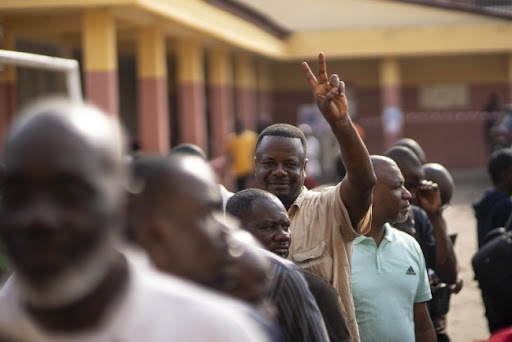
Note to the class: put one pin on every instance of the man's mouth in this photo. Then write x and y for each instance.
(282, 251)
(279, 184)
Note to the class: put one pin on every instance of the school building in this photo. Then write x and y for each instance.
(182, 70)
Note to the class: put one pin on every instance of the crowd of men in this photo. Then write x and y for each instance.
(110, 248)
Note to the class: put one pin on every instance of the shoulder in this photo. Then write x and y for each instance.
(167, 295)
(405, 239)
(326, 194)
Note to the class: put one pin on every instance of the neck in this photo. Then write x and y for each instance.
(89, 310)
(504, 188)
(377, 233)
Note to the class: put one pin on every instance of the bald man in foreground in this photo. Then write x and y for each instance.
(61, 220)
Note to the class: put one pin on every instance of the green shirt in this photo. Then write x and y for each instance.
(386, 282)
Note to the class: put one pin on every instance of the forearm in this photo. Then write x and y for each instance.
(426, 335)
(357, 185)
(446, 262)
(423, 326)
(354, 154)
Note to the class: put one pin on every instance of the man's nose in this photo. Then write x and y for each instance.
(408, 195)
(283, 235)
(279, 170)
(40, 214)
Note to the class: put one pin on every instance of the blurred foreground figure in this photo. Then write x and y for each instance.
(61, 216)
(178, 218)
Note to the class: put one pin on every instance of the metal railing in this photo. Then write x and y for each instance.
(68, 66)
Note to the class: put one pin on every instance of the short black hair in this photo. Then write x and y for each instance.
(499, 162)
(283, 130)
(188, 149)
(414, 146)
(239, 205)
(402, 154)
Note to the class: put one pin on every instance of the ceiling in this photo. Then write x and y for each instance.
(309, 15)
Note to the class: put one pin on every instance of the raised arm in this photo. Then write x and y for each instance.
(446, 262)
(356, 188)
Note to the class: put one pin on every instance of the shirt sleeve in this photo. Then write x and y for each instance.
(299, 314)
(343, 216)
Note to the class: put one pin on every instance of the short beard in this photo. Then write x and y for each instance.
(73, 283)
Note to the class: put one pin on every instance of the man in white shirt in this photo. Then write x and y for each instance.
(62, 216)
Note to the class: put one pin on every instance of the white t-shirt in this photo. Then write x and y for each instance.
(154, 308)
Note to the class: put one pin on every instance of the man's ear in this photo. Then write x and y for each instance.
(153, 236)
(304, 169)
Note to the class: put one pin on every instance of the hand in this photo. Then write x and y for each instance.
(329, 94)
(455, 288)
(429, 197)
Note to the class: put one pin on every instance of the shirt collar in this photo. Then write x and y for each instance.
(389, 234)
(298, 201)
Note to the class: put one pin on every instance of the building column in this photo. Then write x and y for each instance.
(221, 99)
(100, 59)
(153, 111)
(191, 94)
(264, 93)
(8, 94)
(245, 77)
(392, 115)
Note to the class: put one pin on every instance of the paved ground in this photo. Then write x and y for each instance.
(466, 320)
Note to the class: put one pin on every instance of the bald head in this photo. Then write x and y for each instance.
(414, 147)
(381, 164)
(437, 173)
(61, 119)
(176, 216)
(63, 200)
(167, 181)
(390, 198)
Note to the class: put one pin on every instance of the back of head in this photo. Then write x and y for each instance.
(283, 130)
(164, 181)
(499, 163)
(437, 173)
(403, 155)
(414, 146)
(188, 149)
(239, 205)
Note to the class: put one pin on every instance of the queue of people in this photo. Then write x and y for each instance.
(105, 247)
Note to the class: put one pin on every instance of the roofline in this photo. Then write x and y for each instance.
(251, 16)
(463, 7)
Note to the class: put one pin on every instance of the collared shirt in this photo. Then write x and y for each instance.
(298, 314)
(322, 241)
(386, 282)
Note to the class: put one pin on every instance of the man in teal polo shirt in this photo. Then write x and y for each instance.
(389, 279)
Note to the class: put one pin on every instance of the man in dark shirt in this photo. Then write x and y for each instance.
(495, 206)
(263, 215)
